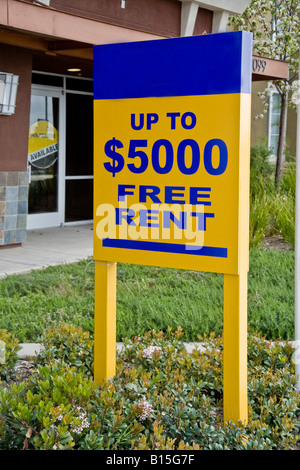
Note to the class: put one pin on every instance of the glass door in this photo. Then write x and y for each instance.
(45, 159)
(79, 158)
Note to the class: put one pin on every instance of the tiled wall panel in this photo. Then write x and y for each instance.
(13, 207)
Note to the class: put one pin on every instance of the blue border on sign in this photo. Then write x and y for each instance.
(194, 65)
(214, 251)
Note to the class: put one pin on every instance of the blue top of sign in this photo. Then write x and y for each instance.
(195, 65)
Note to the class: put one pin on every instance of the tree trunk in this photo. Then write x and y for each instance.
(281, 140)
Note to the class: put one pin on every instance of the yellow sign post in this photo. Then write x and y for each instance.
(105, 320)
(171, 178)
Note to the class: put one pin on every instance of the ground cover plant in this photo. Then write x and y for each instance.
(161, 397)
(150, 298)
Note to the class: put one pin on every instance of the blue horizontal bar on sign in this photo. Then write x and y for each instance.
(195, 65)
(213, 251)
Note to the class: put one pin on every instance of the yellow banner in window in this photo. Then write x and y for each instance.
(42, 144)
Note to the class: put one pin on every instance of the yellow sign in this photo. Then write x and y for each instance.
(42, 145)
(167, 189)
(171, 178)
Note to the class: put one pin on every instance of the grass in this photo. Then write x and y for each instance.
(150, 298)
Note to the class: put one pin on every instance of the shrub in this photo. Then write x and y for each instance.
(285, 204)
(161, 398)
(70, 344)
(260, 167)
(288, 179)
(48, 411)
(9, 347)
(261, 188)
(271, 212)
(261, 218)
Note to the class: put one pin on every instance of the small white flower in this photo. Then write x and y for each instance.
(146, 409)
(148, 352)
(84, 421)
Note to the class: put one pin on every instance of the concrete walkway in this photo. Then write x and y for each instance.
(30, 350)
(48, 247)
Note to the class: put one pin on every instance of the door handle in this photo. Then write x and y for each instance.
(29, 173)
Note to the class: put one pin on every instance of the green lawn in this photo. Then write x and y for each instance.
(150, 298)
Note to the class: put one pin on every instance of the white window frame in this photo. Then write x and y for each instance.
(271, 113)
(37, 221)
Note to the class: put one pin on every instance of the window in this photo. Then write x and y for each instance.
(274, 121)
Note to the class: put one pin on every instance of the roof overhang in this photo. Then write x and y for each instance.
(46, 22)
(264, 69)
(42, 29)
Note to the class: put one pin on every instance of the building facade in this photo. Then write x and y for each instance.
(46, 156)
(48, 45)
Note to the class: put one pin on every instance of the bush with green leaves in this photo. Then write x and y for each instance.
(162, 397)
(272, 212)
(286, 204)
(261, 169)
(71, 344)
(9, 347)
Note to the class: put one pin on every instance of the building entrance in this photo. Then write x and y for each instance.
(45, 159)
(60, 152)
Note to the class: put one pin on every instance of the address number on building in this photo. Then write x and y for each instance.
(259, 65)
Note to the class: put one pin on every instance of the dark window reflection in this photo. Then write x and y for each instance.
(79, 135)
(79, 200)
